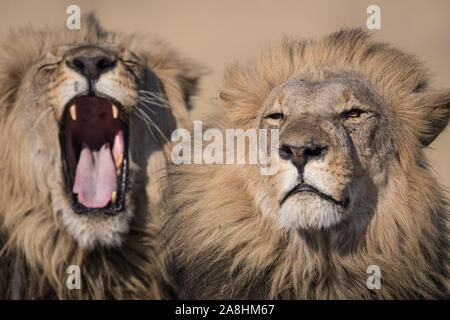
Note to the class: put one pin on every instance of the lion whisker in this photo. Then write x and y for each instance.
(154, 103)
(146, 107)
(150, 123)
(153, 98)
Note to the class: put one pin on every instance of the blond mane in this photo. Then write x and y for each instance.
(225, 244)
(35, 248)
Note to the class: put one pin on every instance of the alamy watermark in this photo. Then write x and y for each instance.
(74, 20)
(374, 20)
(252, 146)
(74, 279)
(374, 280)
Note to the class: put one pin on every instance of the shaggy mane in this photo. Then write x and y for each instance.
(223, 245)
(35, 248)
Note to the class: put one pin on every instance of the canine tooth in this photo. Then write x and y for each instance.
(119, 161)
(73, 112)
(115, 111)
(114, 197)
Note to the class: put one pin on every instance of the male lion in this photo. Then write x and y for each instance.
(84, 120)
(353, 194)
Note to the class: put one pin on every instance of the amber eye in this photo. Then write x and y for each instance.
(352, 114)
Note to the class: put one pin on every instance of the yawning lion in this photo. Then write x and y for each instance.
(85, 117)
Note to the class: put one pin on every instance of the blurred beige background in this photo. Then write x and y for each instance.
(217, 33)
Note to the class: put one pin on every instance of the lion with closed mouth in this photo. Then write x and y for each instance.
(352, 193)
(85, 117)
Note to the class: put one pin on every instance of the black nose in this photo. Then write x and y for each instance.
(300, 155)
(92, 66)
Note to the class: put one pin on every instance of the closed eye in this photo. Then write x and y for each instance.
(44, 72)
(48, 67)
(131, 62)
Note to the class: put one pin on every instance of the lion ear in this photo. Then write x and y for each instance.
(437, 113)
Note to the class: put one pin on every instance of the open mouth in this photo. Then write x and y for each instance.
(93, 140)
(307, 188)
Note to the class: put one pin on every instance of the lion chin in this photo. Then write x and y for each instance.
(305, 211)
(96, 228)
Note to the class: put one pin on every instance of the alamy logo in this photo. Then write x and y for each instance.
(74, 280)
(374, 280)
(235, 148)
(74, 20)
(374, 20)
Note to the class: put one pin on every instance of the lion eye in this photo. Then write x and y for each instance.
(275, 116)
(352, 114)
(44, 73)
(47, 67)
(131, 62)
(274, 119)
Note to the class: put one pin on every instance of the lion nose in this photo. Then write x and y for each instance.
(300, 155)
(92, 66)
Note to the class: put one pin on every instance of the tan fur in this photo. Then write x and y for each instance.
(35, 245)
(224, 233)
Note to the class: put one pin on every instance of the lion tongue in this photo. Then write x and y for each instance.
(95, 178)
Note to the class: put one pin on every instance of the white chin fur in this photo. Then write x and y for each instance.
(309, 211)
(91, 231)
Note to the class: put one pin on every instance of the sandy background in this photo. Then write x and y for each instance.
(219, 32)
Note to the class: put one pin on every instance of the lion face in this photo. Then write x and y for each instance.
(92, 91)
(331, 148)
(82, 126)
(85, 118)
